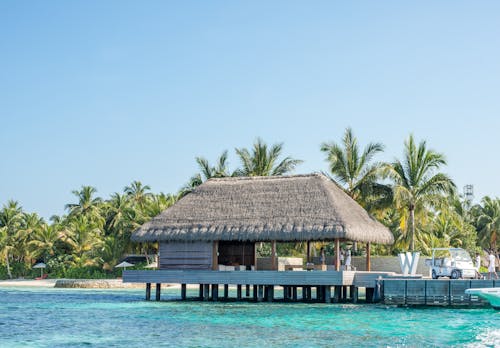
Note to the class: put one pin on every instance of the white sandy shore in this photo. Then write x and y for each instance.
(44, 283)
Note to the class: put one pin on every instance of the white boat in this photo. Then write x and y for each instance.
(492, 295)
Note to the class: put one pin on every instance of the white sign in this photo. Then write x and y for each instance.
(409, 262)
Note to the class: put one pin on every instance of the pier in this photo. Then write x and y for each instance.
(309, 286)
(315, 286)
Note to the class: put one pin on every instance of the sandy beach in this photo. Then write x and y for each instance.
(44, 283)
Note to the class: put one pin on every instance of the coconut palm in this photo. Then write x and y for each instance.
(488, 222)
(10, 221)
(416, 185)
(43, 242)
(88, 205)
(261, 161)
(218, 171)
(356, 171)
(138, 193)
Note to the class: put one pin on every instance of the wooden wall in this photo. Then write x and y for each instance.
(184, 255)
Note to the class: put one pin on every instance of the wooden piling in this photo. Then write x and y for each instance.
(183, 291)
(158, 291)
(238, 292)
(148, 291)
(226, 291)
(215, 292)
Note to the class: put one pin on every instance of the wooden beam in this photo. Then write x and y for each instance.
(368, 260)
(255, 256)
(215, 256)
(337, 254)
(274, 265)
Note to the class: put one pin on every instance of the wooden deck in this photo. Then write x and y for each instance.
(292, 278)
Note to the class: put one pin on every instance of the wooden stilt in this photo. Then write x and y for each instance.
(260, 294)
(328, 295)
(270, 293)
(238, 292)
(255, 293)
(355, 295)
(158, 291)
(247, 290)
(148, 291)
(318, 293)
(294, 293)
(304, 293)
(215, 292)
(336, 295)
(226, 291)
(206, 292)
(183, 291)
(201, 292)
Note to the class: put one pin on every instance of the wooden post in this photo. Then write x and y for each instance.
(368, 261)
(226, 291)
(328, 295)
(255, 256)
(247, 290)
(215, 292)
(206, 292)
(294, 293)
(260, 293)
(355, 295)
(274, 265)
(308, 251)
(337, 254)
(183, 291)
(158, 291)
(215, 256)
(148, 291)
(270, 293)
(304, 293)
(238, 292)
(336, 293)
(201, 292)
(255, 293)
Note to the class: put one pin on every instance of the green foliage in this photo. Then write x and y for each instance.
(417, 204)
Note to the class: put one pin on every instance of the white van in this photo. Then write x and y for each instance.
(454, 263)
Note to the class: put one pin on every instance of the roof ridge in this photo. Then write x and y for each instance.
(271, 177)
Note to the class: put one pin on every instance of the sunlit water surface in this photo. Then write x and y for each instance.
(32, 317)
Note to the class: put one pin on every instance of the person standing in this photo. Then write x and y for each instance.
(478, 266)
(322, 256)
(491, 266)
(348, 260)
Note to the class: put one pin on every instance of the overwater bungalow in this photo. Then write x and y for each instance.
(209, 237)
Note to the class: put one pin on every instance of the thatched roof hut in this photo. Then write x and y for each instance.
(280, 208)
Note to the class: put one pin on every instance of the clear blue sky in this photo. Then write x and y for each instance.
(102, 93)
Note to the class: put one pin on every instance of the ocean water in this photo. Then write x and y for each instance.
(32, 317)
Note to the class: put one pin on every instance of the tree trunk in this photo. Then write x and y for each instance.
(412, 226)
(8, 265)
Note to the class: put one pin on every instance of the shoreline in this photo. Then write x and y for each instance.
(72, 283)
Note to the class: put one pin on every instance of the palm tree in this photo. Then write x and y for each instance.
(416, 185)
(138, 193)
(43, 243)
(30, 225)
(10, 221)
(356, 172)
(87, 205)
(263, 162)
(488, 222)
(217, 171)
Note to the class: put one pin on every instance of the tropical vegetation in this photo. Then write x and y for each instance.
(412, 196)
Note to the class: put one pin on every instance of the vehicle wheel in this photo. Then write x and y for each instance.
(434, 275)
(455, 274)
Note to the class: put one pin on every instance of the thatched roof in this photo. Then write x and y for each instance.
(281, 208)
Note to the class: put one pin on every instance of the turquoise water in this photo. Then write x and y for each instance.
(120, 318)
